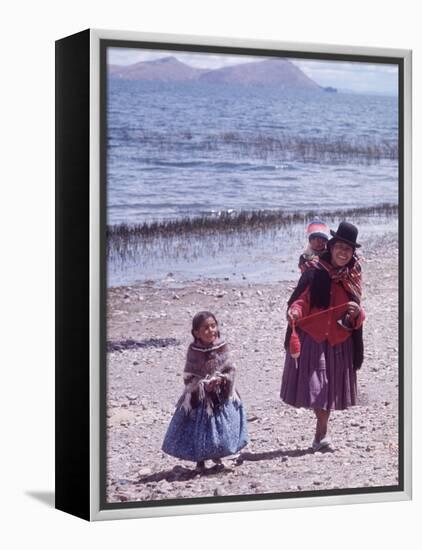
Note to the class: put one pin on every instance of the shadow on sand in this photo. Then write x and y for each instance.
(181, 473)
(271, 455)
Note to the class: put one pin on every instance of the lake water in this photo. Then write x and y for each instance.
(189, 149)
(186, 150)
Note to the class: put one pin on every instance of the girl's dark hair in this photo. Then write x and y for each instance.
(199, 318)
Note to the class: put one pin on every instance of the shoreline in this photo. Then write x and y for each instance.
(262, 255)
(240, 220)
(145, 382)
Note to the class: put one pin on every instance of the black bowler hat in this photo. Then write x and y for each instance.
(346, 232)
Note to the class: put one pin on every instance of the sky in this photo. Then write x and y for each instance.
(357, 77)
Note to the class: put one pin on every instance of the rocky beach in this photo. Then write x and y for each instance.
(148, 332)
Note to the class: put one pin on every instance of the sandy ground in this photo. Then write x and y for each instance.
(145, 382)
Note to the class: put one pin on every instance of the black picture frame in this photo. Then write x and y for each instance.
(81, 187)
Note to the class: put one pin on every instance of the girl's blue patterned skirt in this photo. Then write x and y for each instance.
(196, 435)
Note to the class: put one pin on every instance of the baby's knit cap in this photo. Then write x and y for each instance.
(317, 228)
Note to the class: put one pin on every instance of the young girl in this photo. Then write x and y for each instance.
(209, 421)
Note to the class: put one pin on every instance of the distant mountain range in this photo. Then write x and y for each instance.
(166, 69)
(270, 72)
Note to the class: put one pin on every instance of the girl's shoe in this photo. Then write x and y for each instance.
(219, 465)
(200, 466)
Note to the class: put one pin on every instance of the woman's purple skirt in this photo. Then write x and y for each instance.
(324, 377)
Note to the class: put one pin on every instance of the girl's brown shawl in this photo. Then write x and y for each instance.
(205, 363)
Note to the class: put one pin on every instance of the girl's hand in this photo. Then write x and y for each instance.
(212, 384)
(353, 309)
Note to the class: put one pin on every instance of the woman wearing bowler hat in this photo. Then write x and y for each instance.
(326, 314)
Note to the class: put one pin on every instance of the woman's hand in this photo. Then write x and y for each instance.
(293, 315)
(353, 309)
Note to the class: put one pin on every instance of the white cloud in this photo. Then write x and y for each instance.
(128, 56)
(357, 76)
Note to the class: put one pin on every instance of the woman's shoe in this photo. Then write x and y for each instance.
(323, 444)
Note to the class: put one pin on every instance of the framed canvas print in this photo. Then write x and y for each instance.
(233, 274)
